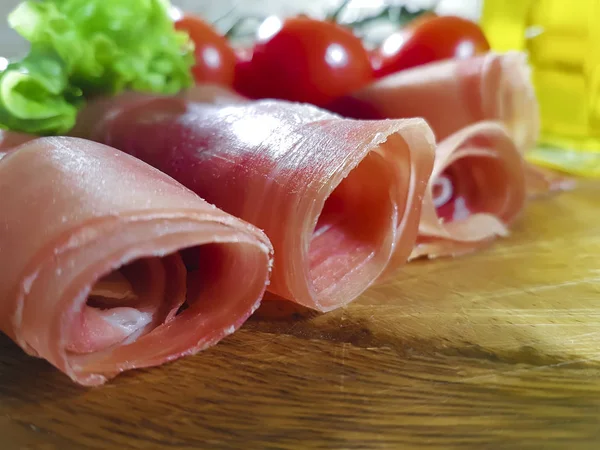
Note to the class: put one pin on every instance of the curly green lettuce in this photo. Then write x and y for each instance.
(83, 48)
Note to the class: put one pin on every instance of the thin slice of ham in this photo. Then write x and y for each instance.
(11, 139)
(477, 189)
(453, 94)
(340, 199)
(93, 279)
(214, 94)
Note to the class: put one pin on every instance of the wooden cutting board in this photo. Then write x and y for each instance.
(500, 349)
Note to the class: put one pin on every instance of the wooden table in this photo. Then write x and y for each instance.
(500, 349)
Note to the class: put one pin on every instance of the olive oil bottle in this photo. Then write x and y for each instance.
(562, 39)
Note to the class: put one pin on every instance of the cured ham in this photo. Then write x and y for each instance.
(11, 139)
(477, 189)
(459, 99)
(340, 199)
(453, 94)
(109, 264)
(214, 94)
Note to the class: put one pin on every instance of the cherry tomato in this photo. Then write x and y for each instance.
(246, 83)
(215, 59)
(305, 60)
(429, 39)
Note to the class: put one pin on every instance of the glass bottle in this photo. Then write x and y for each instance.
(562, 40)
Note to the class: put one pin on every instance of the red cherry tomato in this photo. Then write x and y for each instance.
(426, 40)
(305, 60)
(245, 82)
(215, 59)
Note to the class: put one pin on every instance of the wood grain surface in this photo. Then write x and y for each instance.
(500, 349)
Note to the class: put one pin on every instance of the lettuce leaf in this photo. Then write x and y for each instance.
(36, 97)
(83, 48)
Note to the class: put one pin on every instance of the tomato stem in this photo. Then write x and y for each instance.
(396, 14)
(225, 15)
(233, 30)
(336, 13)
(374, 28)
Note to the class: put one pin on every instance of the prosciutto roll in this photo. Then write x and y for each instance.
(340, 199)
(109, 265)
(10, 139)
(453, 94)
(460, 99)
(477, 189)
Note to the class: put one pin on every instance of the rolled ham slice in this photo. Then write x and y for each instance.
(109, 264)
(539, 181)
(10, 139)
(213, 94)
(477, 189)
(453, 94)
(340, 199)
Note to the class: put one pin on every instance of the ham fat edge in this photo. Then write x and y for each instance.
(340, 199)
(476, 191)
(453, 94)
(110, 265)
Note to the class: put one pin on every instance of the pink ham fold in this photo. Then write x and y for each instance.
(477, 189)
(93, 279)
(214, 94)
(340, 199)
(453, 94)
(12, 139)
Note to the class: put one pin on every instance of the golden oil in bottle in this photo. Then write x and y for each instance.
(562, 39)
